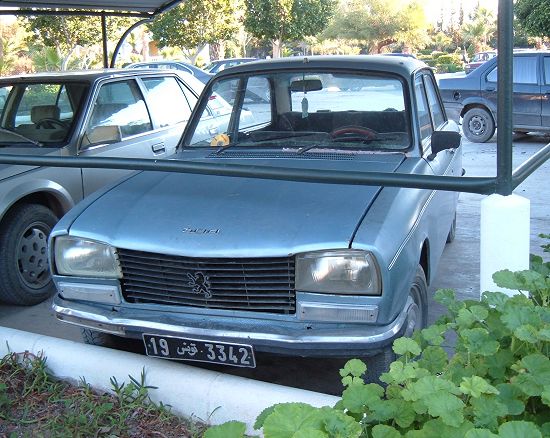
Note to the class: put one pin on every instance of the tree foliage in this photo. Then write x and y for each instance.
(193, 24)
(69, 33)
(379, 23)
(534, 17)
(480, 30)
(287, 20)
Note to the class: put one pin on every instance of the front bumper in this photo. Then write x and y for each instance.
(328, 340)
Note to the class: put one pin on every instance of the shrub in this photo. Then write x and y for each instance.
(497, 383)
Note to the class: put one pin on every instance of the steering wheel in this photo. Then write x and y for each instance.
(49, 121)
(354, 132)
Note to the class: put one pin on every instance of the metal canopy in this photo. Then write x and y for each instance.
(134, 8)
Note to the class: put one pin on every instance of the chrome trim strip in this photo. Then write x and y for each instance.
(98, 319)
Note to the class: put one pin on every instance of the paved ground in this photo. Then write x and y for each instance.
(459, 270)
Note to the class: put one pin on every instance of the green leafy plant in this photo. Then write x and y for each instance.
(496, 384)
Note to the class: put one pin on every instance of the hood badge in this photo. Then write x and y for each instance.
(190, 230)
(200, 284)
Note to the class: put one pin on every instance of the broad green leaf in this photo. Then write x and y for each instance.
(357, 397)
(353, 367)
(289, 418)
(546, 395)
(480, 312)
(231, 429)
(438, 429)
(445, 297)
(447, 406)
(434, 334)
(510, 396)
(405, 345)
(480, 433)
(479, 341)
(545, 429)
(499, 364)
(426, 386)
(516, 429)
(400, 373)
(527, 333)
(383, 431)
(487, 410)
(434, 359)
(475, 386)
(310, 433)
(465, 318)
(537, 375)
(259, 423)
(515, 316)
(340, 425)
(495, 299)
(544, 334)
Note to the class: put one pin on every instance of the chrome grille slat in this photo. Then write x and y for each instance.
(253, 284)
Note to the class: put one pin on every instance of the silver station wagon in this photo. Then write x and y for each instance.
(129, 113)
(214, 268)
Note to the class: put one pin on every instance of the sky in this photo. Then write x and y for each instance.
(433, 8)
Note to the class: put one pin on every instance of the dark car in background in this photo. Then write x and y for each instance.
(193, 70)
(473, 99)
(105, 113)
(221, 64)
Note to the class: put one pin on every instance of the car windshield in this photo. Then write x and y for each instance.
(38, 113)
(305, 111)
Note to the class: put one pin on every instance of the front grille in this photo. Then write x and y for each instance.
(253, 284)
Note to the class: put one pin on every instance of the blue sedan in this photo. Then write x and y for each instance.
(218, 268)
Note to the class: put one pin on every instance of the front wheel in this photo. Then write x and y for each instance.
(417, 318)
(478, 125)
(25, 275)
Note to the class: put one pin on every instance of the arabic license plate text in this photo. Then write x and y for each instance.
(171, 347)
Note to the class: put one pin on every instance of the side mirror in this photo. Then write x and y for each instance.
(442, 140)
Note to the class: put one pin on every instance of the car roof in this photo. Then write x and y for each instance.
(82, 75)
(402, 65)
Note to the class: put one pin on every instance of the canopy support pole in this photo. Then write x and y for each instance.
(123, 38)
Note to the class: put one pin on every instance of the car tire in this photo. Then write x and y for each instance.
(478, 125)
(452, 232)
(26, 278)
(417, 319)
(93, 337)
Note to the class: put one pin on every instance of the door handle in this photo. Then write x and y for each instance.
(490, 88)
(158, 148)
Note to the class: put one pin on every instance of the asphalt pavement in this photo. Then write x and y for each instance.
(458, 270)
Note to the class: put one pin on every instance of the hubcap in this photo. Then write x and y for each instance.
(477, 125)
(32, 256)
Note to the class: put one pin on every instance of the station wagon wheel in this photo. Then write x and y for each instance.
(417, 318)
(26, 278)
(478, 125)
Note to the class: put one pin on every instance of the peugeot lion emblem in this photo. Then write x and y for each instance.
(200, 284)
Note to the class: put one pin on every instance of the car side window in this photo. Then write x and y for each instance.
(525, 70)
(118, 112)
(547, 70)
(422, 109)
(433, 102)
(167, 101)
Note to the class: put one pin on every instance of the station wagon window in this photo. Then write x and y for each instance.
(525, 70)
(423, 110)
(168, 103)
(433, 102)
(118, 112)
(547, 70)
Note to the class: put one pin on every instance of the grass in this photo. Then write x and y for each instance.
(35, 404)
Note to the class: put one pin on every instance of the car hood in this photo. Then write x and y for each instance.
(217, 216)
(9, 170)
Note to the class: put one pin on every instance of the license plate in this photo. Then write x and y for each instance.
(172, 347)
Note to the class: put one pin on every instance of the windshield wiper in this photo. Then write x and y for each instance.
(27, 139)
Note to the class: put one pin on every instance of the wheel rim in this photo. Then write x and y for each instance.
(477, 125)
(414, 313)
(32, 256)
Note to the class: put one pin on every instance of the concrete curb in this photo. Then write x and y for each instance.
(193, 392)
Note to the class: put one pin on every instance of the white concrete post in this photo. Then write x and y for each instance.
(504, 238)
